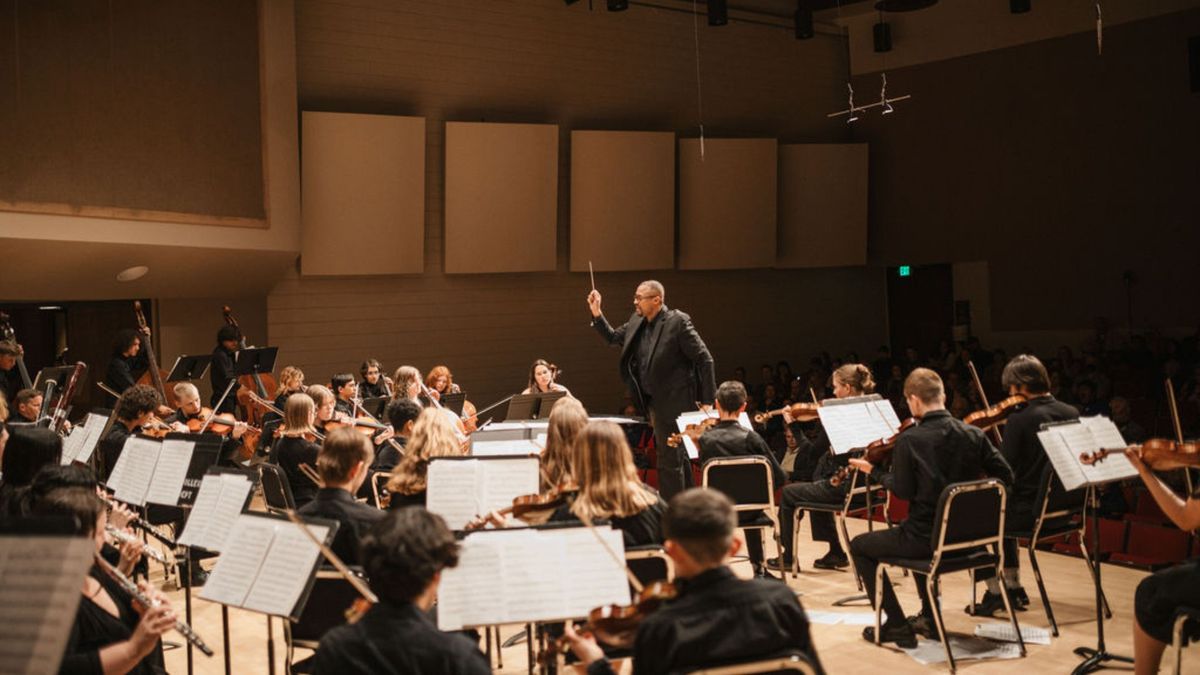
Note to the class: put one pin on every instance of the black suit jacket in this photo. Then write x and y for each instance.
(680, 369)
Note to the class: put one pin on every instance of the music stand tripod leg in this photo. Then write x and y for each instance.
(1096, 658)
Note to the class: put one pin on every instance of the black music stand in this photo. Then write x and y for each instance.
(255, 361)
(189, 367)
(454, 402)
(375, 406)
(546, 401)
(60, 375)
(522, 407)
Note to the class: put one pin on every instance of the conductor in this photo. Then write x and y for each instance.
(666, 365)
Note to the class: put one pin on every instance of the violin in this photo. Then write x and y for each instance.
(527, 506)
(801, 412)
(876, 452)
(616, 625)
(156, 428)
(692, 431)
(1160, 454)
(991, 416)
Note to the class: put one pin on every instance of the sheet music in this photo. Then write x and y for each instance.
(696, 417)
(240, 562)
(1068, 468)
(522, 446)
(95, 430)
(286, 570)
(139, 455)
(40, 578)
(73, 444)
(1065, 443)
(174, 457)
(505, 479)
(545, 575)
(218, 504)
(856, 425)
(453, 491)
(196, 527)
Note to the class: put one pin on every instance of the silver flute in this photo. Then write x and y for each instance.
(140, 523)
(126, 538)
(134, 592)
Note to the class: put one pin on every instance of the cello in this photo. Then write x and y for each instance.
(7, 333)
(258, 383)
(154, 375)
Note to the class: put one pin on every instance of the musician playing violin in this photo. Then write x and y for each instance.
(433, 435)
(440, 381)
(295, 445)
(716, 618)
(135, 409)
(408, 384)
(852, 379)
(1024, 375)
(345, 389)
(401, 415)
(728, 438)
(373, 384)
(192, 415)
(567, 418)
(221, 372)
(938, 451)
(325, 403)
(342, 463)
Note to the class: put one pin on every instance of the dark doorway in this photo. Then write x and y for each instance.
(920, 308)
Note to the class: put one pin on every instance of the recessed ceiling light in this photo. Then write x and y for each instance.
(133, 273)
(50, 308)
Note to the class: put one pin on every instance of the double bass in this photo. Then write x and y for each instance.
(7, 333)
(258, 383)
(154, 376)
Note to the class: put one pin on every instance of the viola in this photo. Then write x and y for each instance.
(801, 412)
(526, 506)
(616, 625)
(876, 452)
(692, 431)
(1160, 454)
(991, 416)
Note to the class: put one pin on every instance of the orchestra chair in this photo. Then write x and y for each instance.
(379, 483)
(326, 609)
(650, 564)
(969, 520)
(782, 665)
(277, 493)
(858, 502)
(747, 481)
(1060, 516)
(1186, 631)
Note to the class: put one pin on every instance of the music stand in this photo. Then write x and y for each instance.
(189, 367)
(375, 406)
(546, 401)
(522, 407)
(60, 375)
(454, 402)
(255, 361)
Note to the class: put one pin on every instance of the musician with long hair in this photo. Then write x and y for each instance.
(127, 360)
(135, 408)
(374, 383)
(294, 446)
(408, 384)
(567, 419)
(325, 404)
(111, 634)
(440, 381)
(433, 435)
(541, 378)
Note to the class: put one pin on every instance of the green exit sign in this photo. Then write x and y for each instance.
(904, 271)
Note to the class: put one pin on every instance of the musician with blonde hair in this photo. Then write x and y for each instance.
(295, 446)
(433, 435)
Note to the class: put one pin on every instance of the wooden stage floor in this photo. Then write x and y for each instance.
(841, 647)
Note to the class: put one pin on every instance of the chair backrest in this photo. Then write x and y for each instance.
(784, 665)
(326, 607)
(745, 480)
(379, 483)
(969, 514)
(649, 564)
(277, 493)
(1055, 500)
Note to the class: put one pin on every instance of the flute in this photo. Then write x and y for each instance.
(134, 592)
(141, 524)
(126, 538)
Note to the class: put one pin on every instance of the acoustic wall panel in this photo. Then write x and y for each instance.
(622, 200)
(501, 197)
(727, 205)
(363, 194)
(822, 205)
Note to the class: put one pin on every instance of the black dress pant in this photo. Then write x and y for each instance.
(867, 549)
(674, 467)
(754, 546)
(823, 528)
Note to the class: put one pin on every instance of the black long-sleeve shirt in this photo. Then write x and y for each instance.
(355, 520)
(289, 453)
(111, 446)
(397, 639)
(643, 528)
(221, 373)
(716, 619)
(1022, 448)
(123, 370)
(810, 453)
(727, 438)
(368, 390)
(939, 451)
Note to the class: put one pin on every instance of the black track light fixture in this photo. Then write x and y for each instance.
(804, 22)
(883, 37)
(1020, 6)
(618, 5)
(718, 12)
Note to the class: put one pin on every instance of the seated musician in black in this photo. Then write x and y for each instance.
(730, 439)
(127, 362)
(27, 405)
(852, 379)
(342, 464)
(403, 555)
(373, 384)
(10, 375)
(401, 414)
(345, 389)
(221, 371)
(433, 435)
(135, 408)
(939, 451)
(609, 488)
(191, 411)
(1026, 376)
(294, 447)
(1161, 594)
(717, 618)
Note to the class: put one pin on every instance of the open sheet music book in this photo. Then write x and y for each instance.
(223, 496)
(510, 438)
(854, 423)
(1064, 443)
(461, 489)
(526, 575)
(40, 581)
(267, 565)
(151, 471)
(81, 443)
(697, 417)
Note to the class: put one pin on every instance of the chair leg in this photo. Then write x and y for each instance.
(795, 545)
(844, 537)
(1012, 616)
(931, 587)
(1091, 563)
(779, 549)
(878, 601)
(1037, 575)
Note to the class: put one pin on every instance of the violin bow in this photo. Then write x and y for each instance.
(633, 580)
(983, 398)
(333, 559)
(1187, 473)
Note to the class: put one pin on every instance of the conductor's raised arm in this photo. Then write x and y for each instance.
(607, 332)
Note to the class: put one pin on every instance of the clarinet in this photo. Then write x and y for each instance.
(131, 588)
(126, 538)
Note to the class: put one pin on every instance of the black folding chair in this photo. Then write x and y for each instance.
(650, 564)
(277, 493)
(1186, 631)
(781, 665)
(326, 609)
(747, 481)
(970, 518)
(859, 501)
